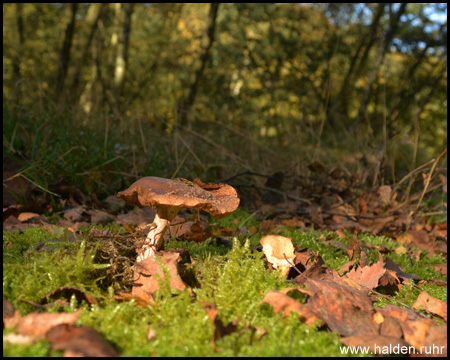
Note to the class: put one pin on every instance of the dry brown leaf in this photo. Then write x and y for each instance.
(26, 216)
(199, 232)
(414, 327)
(441, 268)
(303, 258)
(294, 222)
(368, 276)
(391, 265)
(431, 304)
(283, 303)
(437, 339)
(148, 273)
(344, 309)
(268, 226)
(316, 272)
(66, 292)
(38, 324)
(137, 217)
(101, 217)
(391, 327)
(390, 282)
(220, 330)
(121, 296)
(81, 340)
(346, 267)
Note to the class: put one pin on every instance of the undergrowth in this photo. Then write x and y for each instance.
(234, 280)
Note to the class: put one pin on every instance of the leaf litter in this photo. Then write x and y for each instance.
(341, 300)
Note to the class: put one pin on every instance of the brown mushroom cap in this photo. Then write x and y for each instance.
(219, 200)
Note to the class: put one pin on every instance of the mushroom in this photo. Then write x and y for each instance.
(275, 247)
(170, 196)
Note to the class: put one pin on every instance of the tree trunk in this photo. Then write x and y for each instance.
(91, 22)
(65, 52)
(17, 59)
(384, 44)
(355, 68)
(199, 66)
(122, 53)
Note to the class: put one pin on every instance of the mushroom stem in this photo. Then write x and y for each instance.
(155, 240)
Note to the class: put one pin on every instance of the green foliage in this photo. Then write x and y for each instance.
(283, 84)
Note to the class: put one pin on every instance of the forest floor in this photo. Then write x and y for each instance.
(369, 270)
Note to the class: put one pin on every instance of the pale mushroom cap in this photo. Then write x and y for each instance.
(275, 247)
(219, 200)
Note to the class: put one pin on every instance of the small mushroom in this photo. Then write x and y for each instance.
(170, 196)
(275, 247)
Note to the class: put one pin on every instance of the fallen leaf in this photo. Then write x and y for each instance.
(414, 327)
(149, 273)
(347, 266)
(368, 276)
(37, 325)
(401, 250)
(378, 318)
(389, 282)
(436, 340)
(66, 292)
(13, 224)
(441, 268)
(220, 330)
(121, 296)
(391, 327)
(316, 272)
(137, 217)
(391, 265)
(294, 222)
(17, 339)
(268, 226)
(101, 217)
(199, 231)
(344, 309)
(431, 304)
(80, 340)
(354, 248)
(283, 303)
(26, 216)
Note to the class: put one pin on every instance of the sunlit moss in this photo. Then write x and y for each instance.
(234, 280)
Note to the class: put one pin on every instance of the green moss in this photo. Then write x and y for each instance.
(29, 274)
(409, 293)
(235, 281)
(40, 349)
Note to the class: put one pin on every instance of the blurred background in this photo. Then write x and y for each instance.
(98, 95)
